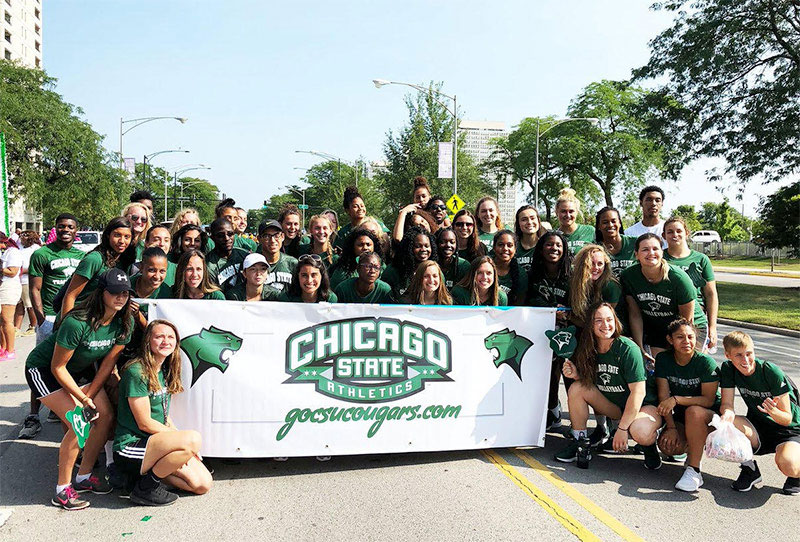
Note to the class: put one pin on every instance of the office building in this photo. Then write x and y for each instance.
(477, 144)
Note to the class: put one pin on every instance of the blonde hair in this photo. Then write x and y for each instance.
(736, 339)
(568, 194)
(583, 292)
(328, 248)
(179, 216)
(416, 293)
(171, 365)
(136, 237)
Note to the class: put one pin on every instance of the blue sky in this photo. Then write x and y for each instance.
(259, 80)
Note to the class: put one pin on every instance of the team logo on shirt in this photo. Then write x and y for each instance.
(368, 360)
(507, 348)
(211, 348)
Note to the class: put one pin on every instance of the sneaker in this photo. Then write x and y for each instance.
(584, 454)
(599, 436)
(792, 486)
(575, 447)
(96, 485)
(9, 356)
(30, 427)
(553, 420)
(676, 458)
(652, 459)
(747, 478)
(158, 496)
(68, 500)
(129, 482)
(691, 480)
(30, 331)
(53, 418)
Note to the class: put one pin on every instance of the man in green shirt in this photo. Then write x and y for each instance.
(224, 262)
(281, 265)
(772, 422)
(50, 268)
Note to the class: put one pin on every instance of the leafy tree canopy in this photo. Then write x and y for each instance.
(780, 218)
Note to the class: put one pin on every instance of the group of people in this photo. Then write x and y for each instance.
(645, 306)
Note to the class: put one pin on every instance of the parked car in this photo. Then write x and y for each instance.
(87, 240)
(706, 236)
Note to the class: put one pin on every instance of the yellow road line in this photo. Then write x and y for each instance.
(549, 506)
(579, 497)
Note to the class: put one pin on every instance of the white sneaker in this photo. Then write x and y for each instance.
(690, 481)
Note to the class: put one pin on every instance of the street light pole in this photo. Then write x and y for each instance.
(382, 82)
(178, 172)
(166, 177)
(339, 161)
(138, 122)
(593, 120)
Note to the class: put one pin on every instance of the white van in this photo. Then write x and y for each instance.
(706, 236)
(87, 240)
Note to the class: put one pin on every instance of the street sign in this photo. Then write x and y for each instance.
(455, 204)
(302, 206)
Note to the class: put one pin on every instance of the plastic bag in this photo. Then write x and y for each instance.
(727, 443)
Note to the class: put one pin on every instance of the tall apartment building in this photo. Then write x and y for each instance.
(21, 27)
(477, 144)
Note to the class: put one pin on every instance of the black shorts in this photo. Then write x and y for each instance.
(130, 458)
(43, 382)
(770, 436)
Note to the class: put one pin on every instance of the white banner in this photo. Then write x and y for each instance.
(290, 379)
(445, 160)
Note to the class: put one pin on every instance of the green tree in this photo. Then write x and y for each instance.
(689, 214)
(725, 220)
(780, 218)
(55, 159)
(413, 151)
(198, 193)
(735, 64)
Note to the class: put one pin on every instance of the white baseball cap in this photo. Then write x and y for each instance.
(252, 259)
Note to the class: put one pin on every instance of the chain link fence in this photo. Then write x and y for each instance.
(730, 249)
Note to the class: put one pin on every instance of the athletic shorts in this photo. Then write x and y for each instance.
(130, 458)
(43, 382)
(10, 291)
(770, 436)
(26, 297)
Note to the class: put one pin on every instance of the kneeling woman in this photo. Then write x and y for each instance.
(609, 375)
(688, 396)
(147, 444)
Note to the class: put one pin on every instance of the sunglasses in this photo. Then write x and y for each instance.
(464, 224)
(314, 258)
(137, 218)
(439, 207)
(370, 267)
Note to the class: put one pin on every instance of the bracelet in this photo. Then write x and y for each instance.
(623, 429)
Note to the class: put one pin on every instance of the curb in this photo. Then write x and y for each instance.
(740, 271)
(760, 327)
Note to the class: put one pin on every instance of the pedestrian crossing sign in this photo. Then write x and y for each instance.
(455, 204)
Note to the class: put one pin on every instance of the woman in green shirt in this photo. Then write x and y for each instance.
(512, 279)
(568, 207)
(487, 220)
(698, 267)
(188, 237)
(366, 287)
(357, 243)
(688, 395)
(609, 233)
(355, 208)
(253, 287)
(427, 286)
(528, 228)
(480, 286)
(453, 267)
(610, 378)
(93, 333)
(310, 283)
(147, 445)
(418, 246)
(115, 250)
(191, 278)
(469, 244)
(321, 229)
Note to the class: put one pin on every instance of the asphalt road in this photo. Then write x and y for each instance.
(758, 280)
(499, 495)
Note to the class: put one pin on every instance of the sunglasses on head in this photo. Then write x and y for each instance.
(314, 258)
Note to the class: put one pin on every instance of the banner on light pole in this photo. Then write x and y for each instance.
(129, 165)
(4, 213)
(445, 160)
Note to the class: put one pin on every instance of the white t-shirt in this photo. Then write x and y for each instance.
(26, 261)
(12, 257)
(640, 229)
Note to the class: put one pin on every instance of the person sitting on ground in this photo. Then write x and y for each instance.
(480, 286)
(366, 287)
(310, 283)
(253, 288)
(427, 286)
(147, 445)
(688, 397)
(772, 422)
(191, 278)
(609, 376)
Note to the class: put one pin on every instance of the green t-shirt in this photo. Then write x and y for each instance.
(464, 253)
(55, 266)
(398, 284)
(659, 302)
(621, 365)
(339, 275)
(88, 346)
(687, 380)
(139, 250)
(306, 249)
(768, 380)
(486, 238)
(280, 273)
(517, 297)
(240, 241)
(525, 257)
(216, 294)
(225, 271)
(381, 293)
(698, 267)
(285, 297)
(611, 292)
(345, 231)
(462, 296)
(625, 257)
(90, 268)
(583, 235)
(162, 292)
(133, 384)
(548, 292)
(239, 293)
(455, 271)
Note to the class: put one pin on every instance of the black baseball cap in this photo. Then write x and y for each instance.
(115, 281)
(262, 228)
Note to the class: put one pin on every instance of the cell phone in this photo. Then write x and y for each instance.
(88, 414)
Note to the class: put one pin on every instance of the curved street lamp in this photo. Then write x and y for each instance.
(339, 161)
(136, 123)
(177, 175)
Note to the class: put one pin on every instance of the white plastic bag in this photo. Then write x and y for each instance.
(727, 443)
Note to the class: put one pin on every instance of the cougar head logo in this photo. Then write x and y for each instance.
(509, 348)
(211, 348)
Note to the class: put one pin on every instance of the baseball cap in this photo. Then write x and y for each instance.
(269, 224)
(115, 281)
(252, 259)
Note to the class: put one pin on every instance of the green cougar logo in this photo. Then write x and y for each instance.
(509, 348)
(212, 347)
